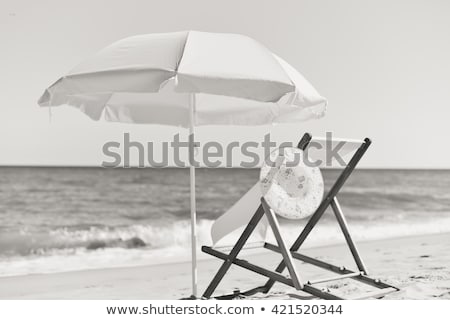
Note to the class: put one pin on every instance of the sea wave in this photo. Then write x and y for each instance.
(28, 242)
(67, 250)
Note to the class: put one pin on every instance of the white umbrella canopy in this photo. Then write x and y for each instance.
(236, 81)
(187, 79)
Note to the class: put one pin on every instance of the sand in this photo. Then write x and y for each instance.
(419, 266)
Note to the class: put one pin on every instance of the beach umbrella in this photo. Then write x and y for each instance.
(187, 79)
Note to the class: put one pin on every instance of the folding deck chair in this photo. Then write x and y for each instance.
(289, 254)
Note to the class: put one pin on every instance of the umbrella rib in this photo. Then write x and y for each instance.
(182, 53)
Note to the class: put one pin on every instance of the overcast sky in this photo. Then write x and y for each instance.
(383, 65)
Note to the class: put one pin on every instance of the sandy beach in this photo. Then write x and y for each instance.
(419, 266)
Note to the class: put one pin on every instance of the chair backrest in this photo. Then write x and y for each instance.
(242, 211)
(239, 215)
(332, 152)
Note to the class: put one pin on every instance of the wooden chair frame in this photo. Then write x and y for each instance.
(289, 254)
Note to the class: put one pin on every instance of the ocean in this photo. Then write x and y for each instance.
(61, 219)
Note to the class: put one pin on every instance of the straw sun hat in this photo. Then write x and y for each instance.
(293, 189)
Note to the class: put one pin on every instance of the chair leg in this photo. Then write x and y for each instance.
(302, 237)
(287, 257)
(344, 227)
(234, 252)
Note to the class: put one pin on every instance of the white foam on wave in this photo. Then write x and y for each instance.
(330, 233)
(155, 236)
(172, 243)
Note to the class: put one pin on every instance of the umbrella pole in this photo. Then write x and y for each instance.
(192, 194)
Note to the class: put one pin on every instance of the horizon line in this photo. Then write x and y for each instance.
(62, 166)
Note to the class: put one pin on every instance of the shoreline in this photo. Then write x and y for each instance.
(419, 265)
